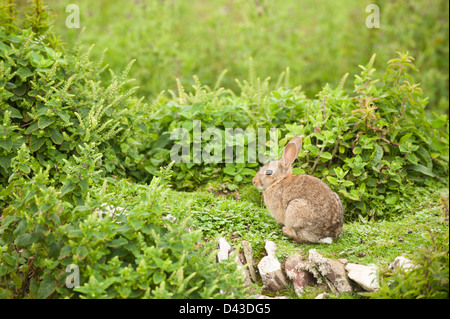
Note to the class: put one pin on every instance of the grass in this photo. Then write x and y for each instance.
(364, 242)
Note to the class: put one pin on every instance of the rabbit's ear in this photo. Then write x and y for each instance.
(292, 150)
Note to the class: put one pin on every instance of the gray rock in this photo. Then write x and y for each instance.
(248, 254)
(300, 278)
(224, 249)
(365, 276)
(266, 297)
(333, 271)
(344, 261)
(402, 262)
(270, 270)
(321, 296)
(240, 260)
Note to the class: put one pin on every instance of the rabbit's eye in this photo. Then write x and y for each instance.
(269, 172)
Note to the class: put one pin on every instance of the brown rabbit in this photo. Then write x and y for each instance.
(308, 210)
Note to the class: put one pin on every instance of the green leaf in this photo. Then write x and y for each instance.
(83, 185)
(36, 143)
(46, 288)
(42, 110)
(5, 162)
(65, 251)
(24, 240)
(248, 171)
(6, 144)
(346, 183)
(55, 218)
(33, 127)
(350, 195)
(404, 138)
(421, 169)
(24, 72)
(326, 155)
(413, 159)
(332, 180)
(117, 242)
(230, 170)
(24, 168)
(81, 252)
(14, 113)
(17, 280)
(19, 91)
(357, 150)
(56, 136)
(136, 224)
(314, 150)
(36, 59)
(21, 227)
(376, 156)
(5, 293)
(439, 122)
(81, 208)
(64, 116)
(44, 121)
(158, 277)
(67, 188)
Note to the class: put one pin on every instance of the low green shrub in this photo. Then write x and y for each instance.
(54, 101)
(120, 241)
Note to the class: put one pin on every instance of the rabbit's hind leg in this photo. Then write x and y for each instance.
(296, 221)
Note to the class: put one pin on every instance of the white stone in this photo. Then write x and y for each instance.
(266, 297)
(224, 249)
(403, 262)
(321, 296)
(270, 270)
(365, 276)
(270, 247)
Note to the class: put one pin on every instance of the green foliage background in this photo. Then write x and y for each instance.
(319, 41)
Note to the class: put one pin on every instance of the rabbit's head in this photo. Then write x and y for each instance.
(276, 171)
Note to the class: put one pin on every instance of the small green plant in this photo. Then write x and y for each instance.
(427, 279)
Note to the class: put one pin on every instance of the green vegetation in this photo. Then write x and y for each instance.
(371, 146)
(85, 170)
(318, 41)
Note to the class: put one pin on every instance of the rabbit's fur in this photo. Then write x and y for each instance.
(308, 210)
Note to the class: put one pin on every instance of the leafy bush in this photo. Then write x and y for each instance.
(120, 239)
(54, 101)
(371, 146)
